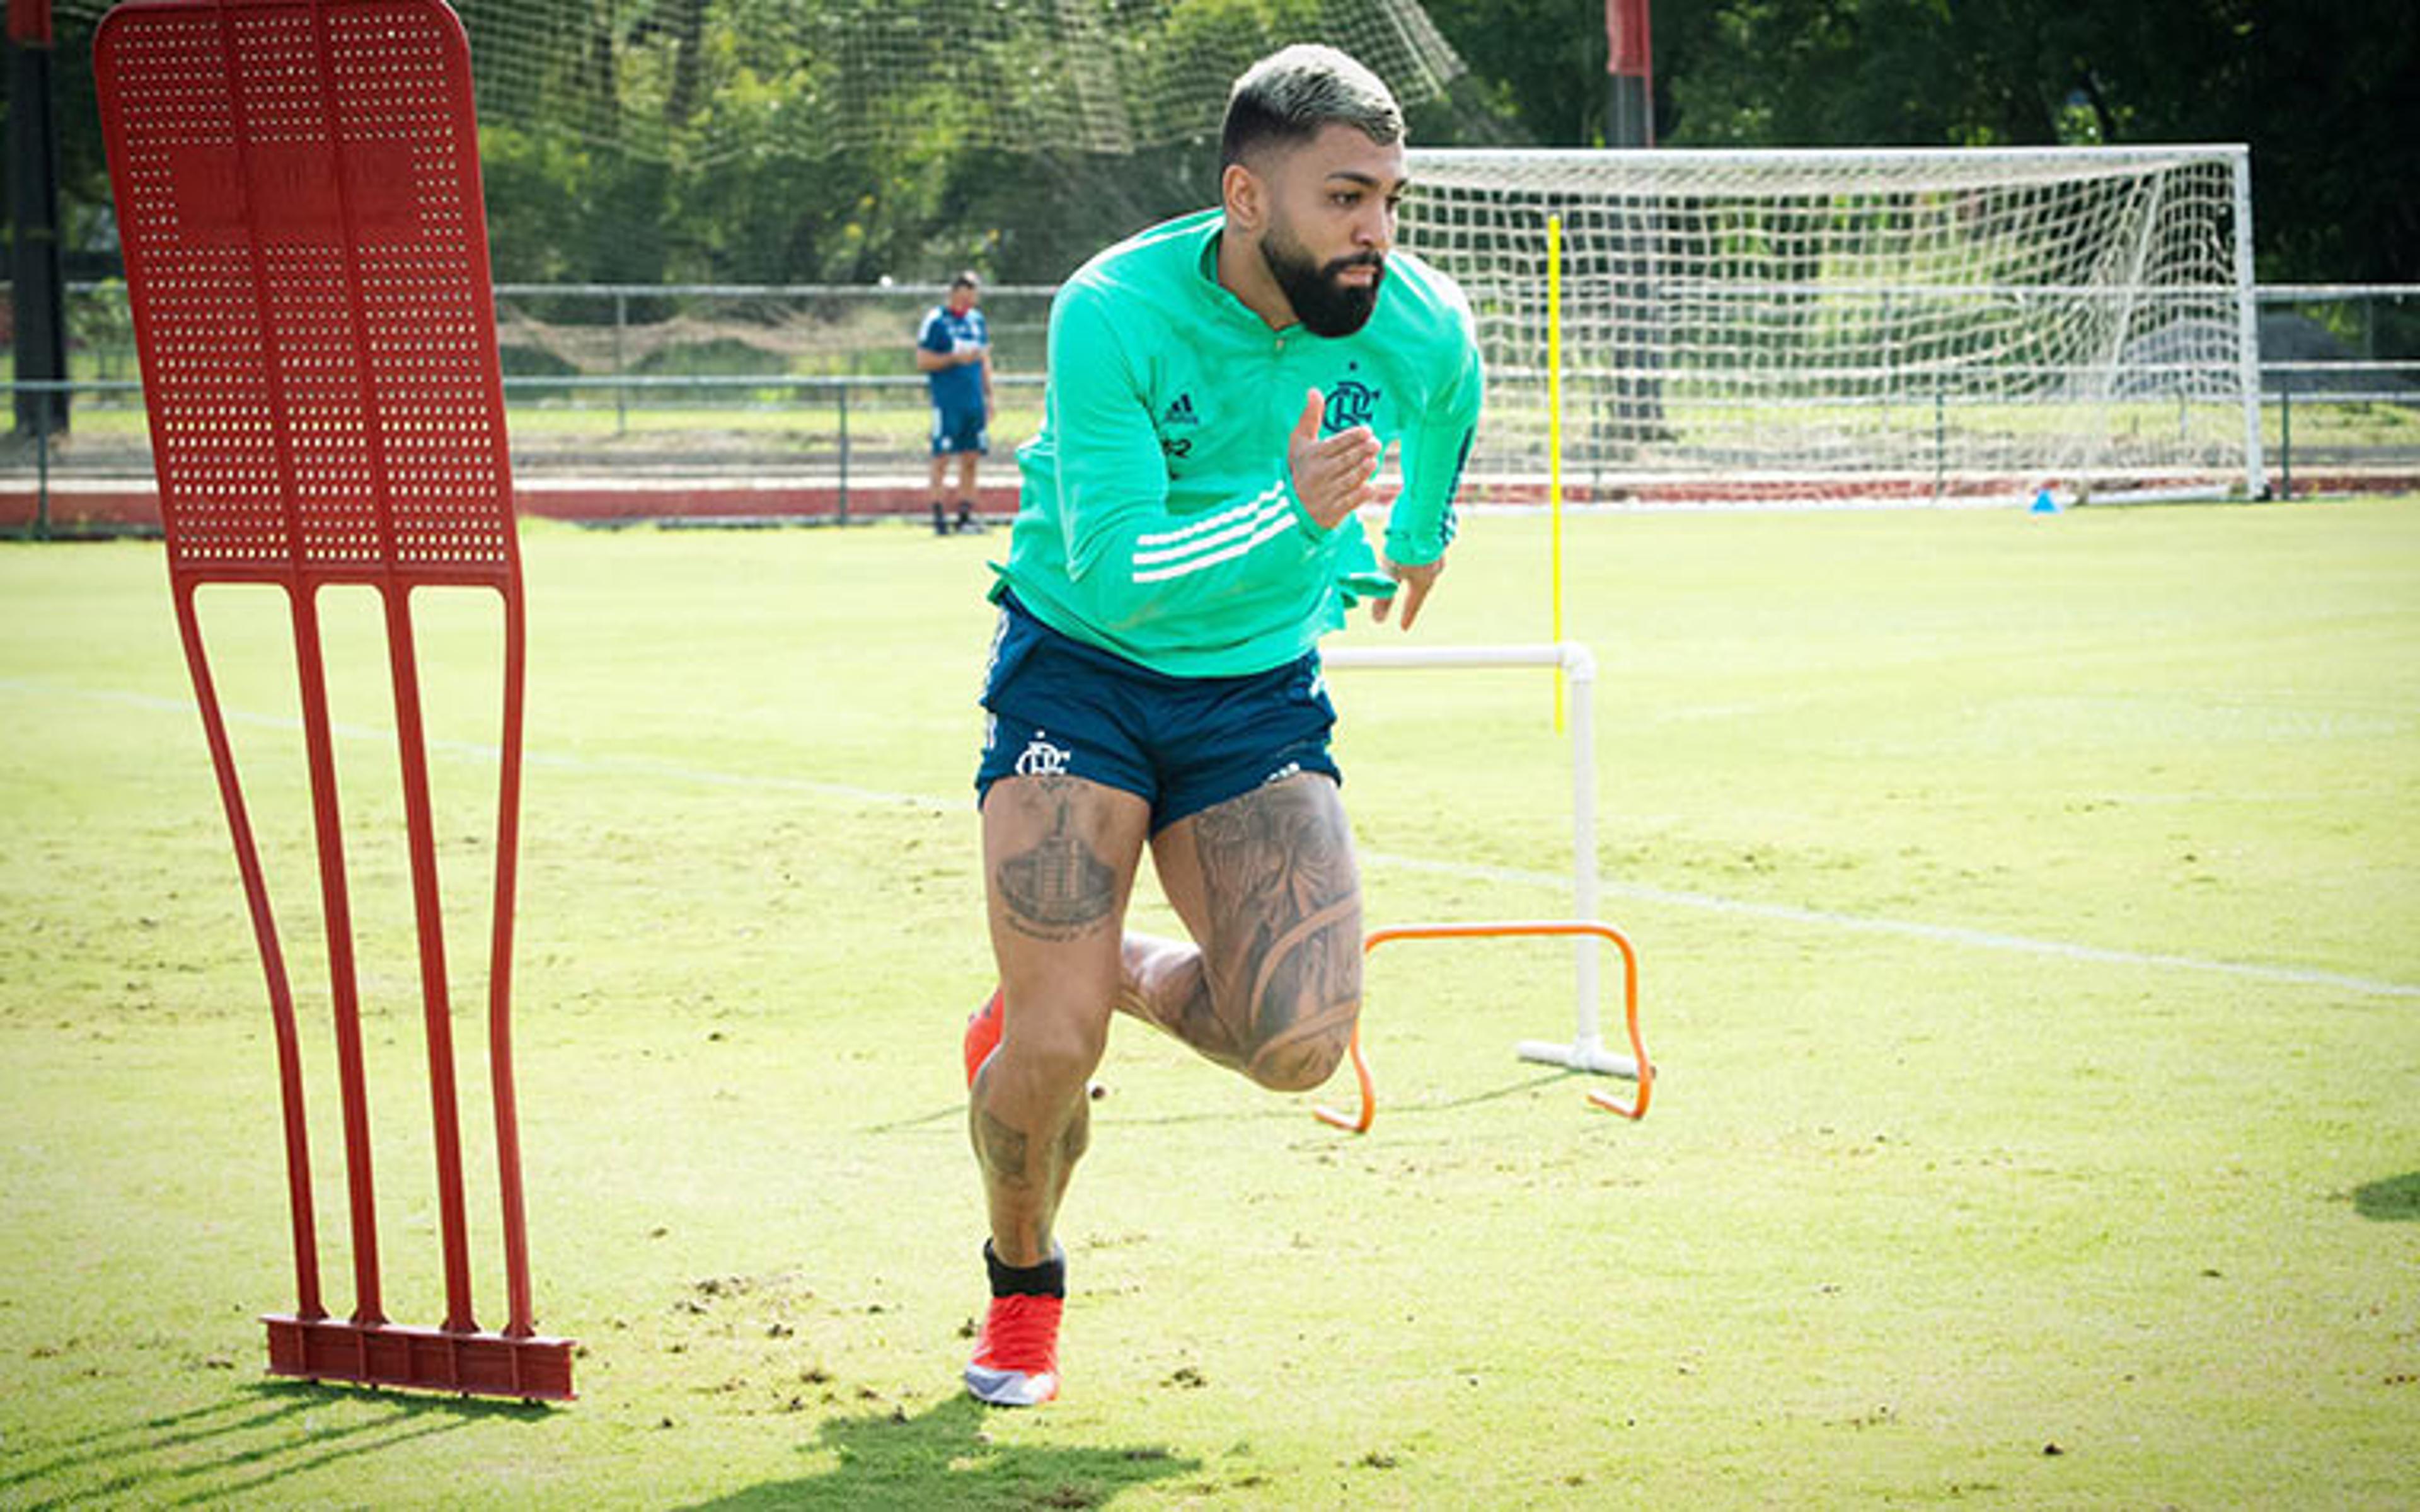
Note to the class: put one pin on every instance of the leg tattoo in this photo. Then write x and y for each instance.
(1059, 888)
(1033, 1195)
(1169, 985)
(1001, 1149)
(1275, 991)
(1074, 1140)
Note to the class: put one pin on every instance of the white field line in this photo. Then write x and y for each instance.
(1558, 882)
(1944, 933)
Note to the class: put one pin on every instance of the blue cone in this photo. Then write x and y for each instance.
(2044, 504)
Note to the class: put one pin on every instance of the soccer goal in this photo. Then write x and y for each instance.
(1859, 326)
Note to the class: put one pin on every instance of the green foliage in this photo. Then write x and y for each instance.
(661, 141)
(1538, 69)
(2323, 93)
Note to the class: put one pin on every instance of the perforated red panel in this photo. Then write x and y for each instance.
(298, 192)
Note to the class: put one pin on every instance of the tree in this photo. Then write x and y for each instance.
(2327, 96)
(2329, 99)
(669, 140)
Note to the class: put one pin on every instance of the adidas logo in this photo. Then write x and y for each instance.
(1181, 412)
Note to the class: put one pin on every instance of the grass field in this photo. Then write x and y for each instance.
(2030, 910)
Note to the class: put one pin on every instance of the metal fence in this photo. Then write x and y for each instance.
(816, 385)
(2340, 379)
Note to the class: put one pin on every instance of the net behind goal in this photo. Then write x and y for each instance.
(705, 80)
(1844, 326)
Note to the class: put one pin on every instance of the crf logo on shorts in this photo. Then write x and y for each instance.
(1041, 759)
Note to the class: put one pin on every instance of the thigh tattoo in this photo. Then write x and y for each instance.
(1058, 889)
(1277, 868)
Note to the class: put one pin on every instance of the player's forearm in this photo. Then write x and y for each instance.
(1420, 526)
(1139, 562)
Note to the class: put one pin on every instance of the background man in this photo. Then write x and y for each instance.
(954, 352)
(1221, 390)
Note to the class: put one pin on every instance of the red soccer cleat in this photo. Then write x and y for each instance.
(1016, 1361)
(983, 1034)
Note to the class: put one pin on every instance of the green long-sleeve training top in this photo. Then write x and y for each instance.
(1159, 518)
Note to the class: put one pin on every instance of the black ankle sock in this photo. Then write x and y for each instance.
(1048, 1279)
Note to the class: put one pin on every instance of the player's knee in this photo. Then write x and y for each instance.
(1055, 1050)
(1306, 1054)
(1303, 1023)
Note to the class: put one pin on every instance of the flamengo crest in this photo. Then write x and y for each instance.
(1350, 403)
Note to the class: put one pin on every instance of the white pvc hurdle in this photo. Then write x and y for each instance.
(1586, 1052)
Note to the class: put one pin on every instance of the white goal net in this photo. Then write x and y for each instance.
(701, 80)
(1857, 325)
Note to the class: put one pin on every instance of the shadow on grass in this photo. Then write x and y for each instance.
(1276, 1109)
(247, 1442)
(938, 1458)
(2394, 1200)
(1340, 1093)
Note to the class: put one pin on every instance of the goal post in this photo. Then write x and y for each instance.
(1846, 326)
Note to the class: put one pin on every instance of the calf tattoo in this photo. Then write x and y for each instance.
(1001, 1149)
(1059, 888)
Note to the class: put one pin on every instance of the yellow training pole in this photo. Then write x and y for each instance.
(1555, 431)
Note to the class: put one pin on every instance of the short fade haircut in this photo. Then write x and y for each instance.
(1288, 97)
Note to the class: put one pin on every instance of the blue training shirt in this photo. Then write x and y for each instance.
(959, 387)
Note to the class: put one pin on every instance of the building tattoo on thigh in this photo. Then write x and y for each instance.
(1059, 888)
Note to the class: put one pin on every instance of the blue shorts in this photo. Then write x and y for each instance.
(1060, 706)
(957, 430)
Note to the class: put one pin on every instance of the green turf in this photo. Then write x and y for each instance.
(2030, 910)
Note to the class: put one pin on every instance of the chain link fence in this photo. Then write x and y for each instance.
(815, 388)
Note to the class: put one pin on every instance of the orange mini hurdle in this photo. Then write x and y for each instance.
(1586, 1051)
(1635, 1066)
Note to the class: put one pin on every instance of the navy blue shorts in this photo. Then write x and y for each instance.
(961, 430)
(1060, 706)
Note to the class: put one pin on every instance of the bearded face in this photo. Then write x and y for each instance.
(1331, 298)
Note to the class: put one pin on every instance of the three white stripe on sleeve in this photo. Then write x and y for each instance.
(1214, 538)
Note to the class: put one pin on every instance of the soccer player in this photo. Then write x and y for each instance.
(1221, 390)
(954, 352)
